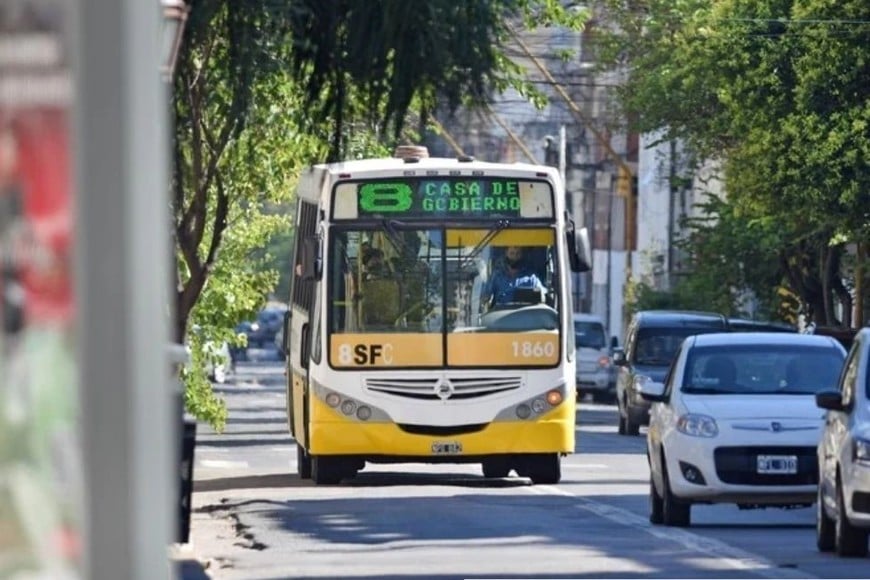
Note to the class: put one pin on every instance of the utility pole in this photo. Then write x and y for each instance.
(128, 421)
(860, 255)
(624, 174)
(519, 142)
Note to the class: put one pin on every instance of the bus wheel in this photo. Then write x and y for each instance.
(303, 462)
(495, 467)
(327, 470)
(545, 468)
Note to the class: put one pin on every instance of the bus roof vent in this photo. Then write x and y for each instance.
(466, 158)
(411, 153)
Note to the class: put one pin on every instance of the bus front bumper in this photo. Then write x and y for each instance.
(336, 435)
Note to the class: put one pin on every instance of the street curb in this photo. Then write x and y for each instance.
(185, 564)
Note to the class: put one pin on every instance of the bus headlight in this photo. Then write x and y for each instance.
(332, 399)
(554, 397)
(364, 413)
(523, 411)
(538, 405)
(348, 407)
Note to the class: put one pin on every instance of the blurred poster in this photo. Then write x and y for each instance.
(40, 458)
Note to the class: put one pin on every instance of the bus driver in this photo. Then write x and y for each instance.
(514, 274)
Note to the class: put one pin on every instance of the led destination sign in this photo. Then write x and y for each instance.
(442, 197)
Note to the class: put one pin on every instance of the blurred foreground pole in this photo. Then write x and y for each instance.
(129, 425)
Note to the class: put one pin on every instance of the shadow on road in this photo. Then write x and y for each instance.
(272, 480)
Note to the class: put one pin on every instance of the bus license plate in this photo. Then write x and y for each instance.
(446, 448)
(777, 464)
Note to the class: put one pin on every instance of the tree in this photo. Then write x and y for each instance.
(380, 59)
(776, 91)
(244, 125)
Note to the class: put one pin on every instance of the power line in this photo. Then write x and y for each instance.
(836, 21)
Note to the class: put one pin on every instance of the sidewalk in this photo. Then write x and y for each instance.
(185, 563)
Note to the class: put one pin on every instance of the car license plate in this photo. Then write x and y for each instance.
(777, 464)
(446, 448)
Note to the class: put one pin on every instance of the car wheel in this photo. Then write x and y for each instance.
(619, 414)
(851, 541)
(675, 512)
(303, 462)
(631, 428)
(656, 504)
(601, 397)
(826, 537)
(495, 467)
(220, 375)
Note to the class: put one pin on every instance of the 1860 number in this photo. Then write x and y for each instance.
(529, 349)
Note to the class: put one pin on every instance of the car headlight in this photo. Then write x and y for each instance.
(697, 425)
(861, 451)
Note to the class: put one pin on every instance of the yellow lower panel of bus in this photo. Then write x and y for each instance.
(332, 434)
(518, 349)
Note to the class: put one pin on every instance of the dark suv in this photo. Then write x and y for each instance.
(651, 341)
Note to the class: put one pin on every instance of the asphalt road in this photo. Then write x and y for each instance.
(254, 518)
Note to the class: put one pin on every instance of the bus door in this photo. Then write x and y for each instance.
(300, 326)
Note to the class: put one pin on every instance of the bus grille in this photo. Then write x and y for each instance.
(434, 389)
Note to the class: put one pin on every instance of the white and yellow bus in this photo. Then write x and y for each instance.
(398, 351)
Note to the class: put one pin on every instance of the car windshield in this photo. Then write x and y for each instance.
(657, 346)
(589, 334)
(762, 369)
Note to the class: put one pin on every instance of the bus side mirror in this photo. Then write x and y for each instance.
(578, 249)
(311, 260)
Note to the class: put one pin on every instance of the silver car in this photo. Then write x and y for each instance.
(594, 366)
(843, 507)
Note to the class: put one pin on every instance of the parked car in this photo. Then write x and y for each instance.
(651, 341)
(219, 362)
(261, 332)
(843, 508)
(594, 372)
(736, 422)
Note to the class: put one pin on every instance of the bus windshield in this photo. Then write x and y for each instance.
(457, 297)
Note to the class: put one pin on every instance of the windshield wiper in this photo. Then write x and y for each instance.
(654, 361)
(394, 236)
(493, 232)
(708, 391)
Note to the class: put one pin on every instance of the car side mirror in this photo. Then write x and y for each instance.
(619, 357)
(830, 400)
(649, 389)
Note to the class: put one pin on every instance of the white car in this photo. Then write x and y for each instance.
(594, 367)
(843, 509)
(736, 422)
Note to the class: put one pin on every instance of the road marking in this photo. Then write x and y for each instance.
(584, 466)
(221, 464)
(733, 557)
